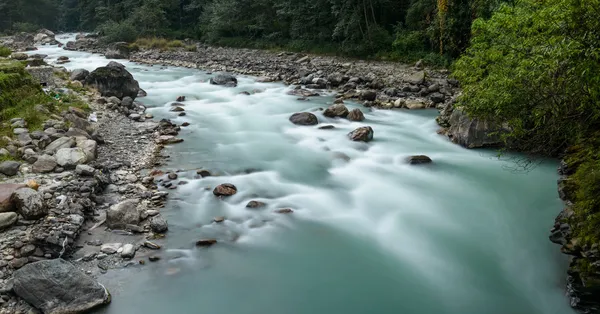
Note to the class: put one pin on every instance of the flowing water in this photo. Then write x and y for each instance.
(369, 233)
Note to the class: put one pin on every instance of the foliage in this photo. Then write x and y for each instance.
(112, 31)
(535, 65)
(5, 51)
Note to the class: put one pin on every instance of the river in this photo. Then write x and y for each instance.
(368, 235)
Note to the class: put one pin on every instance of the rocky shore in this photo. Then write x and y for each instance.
(80, 189)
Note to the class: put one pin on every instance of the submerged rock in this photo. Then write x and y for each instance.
(418, 160)
(362, 134)
(255, 204)
(227, 80)
(304, 118)
(56, 286)
(206, 242)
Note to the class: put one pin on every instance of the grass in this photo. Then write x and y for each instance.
(157, 43)
(5, 51)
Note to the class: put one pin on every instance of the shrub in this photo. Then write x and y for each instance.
(5, 51)
(112, 31)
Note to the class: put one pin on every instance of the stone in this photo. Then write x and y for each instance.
(362, 134)
(10, 167)
(177, 109)
(337, 110)
(89, 148)
(27, 250)
(304, 118)
(85, 170)
(416, 78)
(154, 258)
(18, 262)
(225, 189)
(113, 80)
(158, 224)
(355, 115)
(80, 123)
(180, 98)
(415, 104)
(6, 192)
(128, 251)
(123, 213)
(69, 158)
(437, 98)
(203, 173)
(224, 79)
(206, 242)
(79, 74)
(44, 164)
(418, 160)
(29, 203)
(219, 219)
(327, 127)
(127, 102)
(284, 211)
(474, 133)
(302, 92)
(19, 131)
(255, 204)
(151, 245)
(110, 248)
(172, 176)
(168, 139)
(368, 95)
(63, 142)
(135, 116)
(7, 220)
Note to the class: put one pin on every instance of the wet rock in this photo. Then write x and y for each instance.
(301, 92)
(225, 189)
(123, 213)
(154, 258)
(69, 158)
(304, 118)
(79, 74)
(142, 93)
(118, 50)
(10, 168)
(337, 110)
(159, 224)
(355, 115)
(225, 80)
(418, 160)
(255, 204)
(206, 242)
(284, 211)
(151, 245)
(203, 173)
(44, 164)
(180, 98)
(362, 134)
(113, 80)
(29, 203)
(7, 220)
(326, 127)
(177, 109)
(172, 176)
(128, 251)
(473, 133)
(168, 139)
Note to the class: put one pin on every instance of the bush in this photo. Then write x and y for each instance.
(24, 27)
(5, 51)
(112, 31)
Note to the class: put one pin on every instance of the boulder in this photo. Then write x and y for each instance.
(29, 203)
(127, 102)
(128, 251)
(89, 148)
(206, 242)
(44, 164)
(79, 74)
(10, 167)
(368, 95)
(415, 104)
(124, 213)
(304, 118)
(362, 134)
(69, 158)
(158, 224)
(227, 80)
(437, 98)
(19, 56)
(355, 115)
(56, 286)
(85, 170)
(337, 110)
(225, 189)
(6, 191)
(255, 204)
(119, 50)
(63, 142)
(473, 133)
(416, 78)
(418, 160)
(7, 220)
(113, 80)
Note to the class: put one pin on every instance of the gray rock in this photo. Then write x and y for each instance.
(10, 167)
(123, 213)
(44, 164)
(416, 78)
(304, 118)
(80, 123)
(110, 248)
(84, 170)
(473, 133)
(75, 132)
(79, 74)
(362, 134)
(24, 139)
(418, 160)
(7, 220)
(127, 102)
(128, 251)
(355, 115)
(368, 95)
(89, 148)
(63, 142)
(224, 79)
(437, 98)
(159, 224)
(55, 286)
(113, 80)
(29, 203)
(69, 158)
(135, 116)
(337, 110)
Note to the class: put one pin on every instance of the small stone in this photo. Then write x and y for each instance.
(284, 211)
(128, 251)
(185, 124)
(152, 245)
(362, 134)
(27, 250)
(255, 204)
(18, 262)
(203, 173)
(326, 127)
(154, 258)
(219, 219)
(418, 160)
(355, 115)
(7, 220)
(206, 242)
(152, 212)
(172, 176)
(177, 109)
(181, 98)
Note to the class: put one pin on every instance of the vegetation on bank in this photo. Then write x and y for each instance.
(535, 66)
(22, 96)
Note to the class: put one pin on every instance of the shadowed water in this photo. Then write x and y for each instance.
(369, 233)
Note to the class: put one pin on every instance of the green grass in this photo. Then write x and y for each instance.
(157, 43)
(5, 51)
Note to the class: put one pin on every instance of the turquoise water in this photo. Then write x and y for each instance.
(368, 235)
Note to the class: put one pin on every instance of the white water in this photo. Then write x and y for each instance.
(372, 234)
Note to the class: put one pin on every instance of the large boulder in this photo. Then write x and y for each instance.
(57, 287)
(63, 142)
(113, 81)
(304, 118)
(224, 79)
(337, 110)
(79, 74)
(362, 134)
(118, 50)
(69, 158)
(6, 191)
(10, 167)
(44, 164)
(473, 133)
(124, 213)
(29, 203)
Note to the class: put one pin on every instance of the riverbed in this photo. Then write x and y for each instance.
(368, 234)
